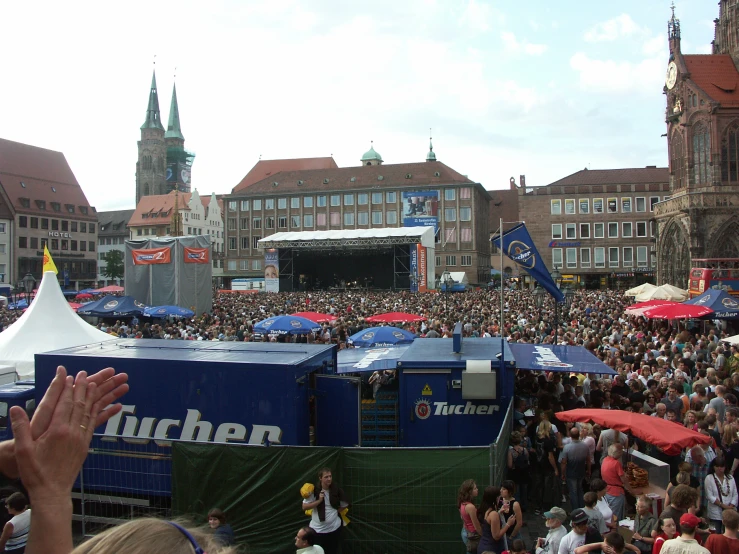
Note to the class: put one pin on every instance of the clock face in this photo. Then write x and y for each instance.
(671, 78)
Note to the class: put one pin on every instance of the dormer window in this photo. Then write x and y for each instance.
(56, 206)
(83, 209)
(70, 208)
(25, 202)
(41, 204)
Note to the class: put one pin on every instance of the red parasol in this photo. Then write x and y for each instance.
(75, 306)
(677, 311)
(394, 317)
(669, 436)
(315, 316)
(641, 307)
(109, 288)
(83, 295)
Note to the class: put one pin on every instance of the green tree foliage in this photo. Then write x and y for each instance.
(113, 265)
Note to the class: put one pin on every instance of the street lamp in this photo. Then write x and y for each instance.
(539, 297)
(28, 285)
(446, 279)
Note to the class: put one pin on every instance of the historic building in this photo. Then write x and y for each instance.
(41, 203)
(295, 195)
(112, 235)
(163, 164)
(699, 220)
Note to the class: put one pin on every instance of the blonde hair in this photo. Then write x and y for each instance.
(149, 536)
(545, 428)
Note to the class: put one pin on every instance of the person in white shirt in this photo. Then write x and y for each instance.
(305, 542)
(555, 523)
(15, 532)
(721, 493)
(576, 537)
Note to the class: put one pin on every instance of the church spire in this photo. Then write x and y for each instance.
(153, 117)
(673, 32)
(431, 157)
(173, 127)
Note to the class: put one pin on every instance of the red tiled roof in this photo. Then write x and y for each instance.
(408, 175)
(716, 75)
(267, 168)
(40, 174)
(628, 176)
(160, 204)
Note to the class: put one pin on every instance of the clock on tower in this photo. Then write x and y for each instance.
(671, 78)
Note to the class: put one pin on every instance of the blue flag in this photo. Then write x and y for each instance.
(519, 247)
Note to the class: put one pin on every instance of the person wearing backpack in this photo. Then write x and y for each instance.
(546, 487)
(519, 466)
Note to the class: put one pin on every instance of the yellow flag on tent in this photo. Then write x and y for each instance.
(49, 264)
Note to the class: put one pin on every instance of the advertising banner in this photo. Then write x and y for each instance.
(196, 255)
(414, 270)
(420, 209)
(519, 247)
(272, 270)
(151, 256)
(422, 269)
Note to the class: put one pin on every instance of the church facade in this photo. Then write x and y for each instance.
(699, 218)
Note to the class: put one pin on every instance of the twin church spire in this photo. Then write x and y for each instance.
(154, 117)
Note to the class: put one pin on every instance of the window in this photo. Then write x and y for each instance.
(377, 198)
(256, 265)
(336, 200)
(451, 260)
(465, 214)
(585, 258)
(294, 222)
(232, 205)
(465, 193)
(613, 257)
(245, 243)
(295, 202)
(628, 256)
(612, 204)
(244, 264)
(613, 230)
(282, 222)
(569, 207)
(83, 246)
(244, 205)
(321, 220)
(641, 256)
(466, 234)
(26, 202)
(321, 201)
(231, 265)
(348, 200)
(571, 231)
(376, 218)
(701, 153)
(54, 224)
(65, 244)
(362, 199)
(556, 257)
(307, 201)
(584, 230)
(571, 258)
(391, 217)
(641, 204)
(22, 221)
(56, 206)
(255, 242)
(450, 214)
(451, 235)
(641, 229)
(438, 261)
(627, 229)
(73, 227)
(390, 197)
(584, 206)
(652, 201)
(269, 222)
(34, 244)
(22, 242)
(348, 218)
(231, 223)
(3, 228)
(626, 205)
(600, 257)
(335, 218)
(91, 228)
(597, 205)
(281, 203)
(652, 228)
(91, 246)
(244, 224)
(465, 260)
(308, 220)
(73, 245)
(34, 223)
(450, 194)
(269, 204)
(362, 218)
(556, 230)
(256, 204)
(556, 207)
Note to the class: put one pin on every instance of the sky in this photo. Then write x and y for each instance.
(535, 88)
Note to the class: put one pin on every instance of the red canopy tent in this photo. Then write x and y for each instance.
(677, 311)
(315, 316)
(83, 295)
(670, 437)
(641, 307)
(395, 317)
(109, 288)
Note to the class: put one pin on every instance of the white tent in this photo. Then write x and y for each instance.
(732, 340)
(460, 277)
(48, 324)
(644, 287)
(664, 292)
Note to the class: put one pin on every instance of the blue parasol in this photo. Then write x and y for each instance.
(286, 325)
(382, 336)
(166, 311)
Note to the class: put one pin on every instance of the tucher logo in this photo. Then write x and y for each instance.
(730, 303)
(423, 409)
(522, 254)
(547, 358)
(110, 305)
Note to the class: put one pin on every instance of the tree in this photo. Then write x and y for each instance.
(113, 265)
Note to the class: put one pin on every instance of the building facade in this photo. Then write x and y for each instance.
(699, 220)
(596, 226)
(112, 235)
(371, 195)
(43, 204)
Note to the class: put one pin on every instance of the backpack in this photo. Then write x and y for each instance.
(540, 453)
(520, 459)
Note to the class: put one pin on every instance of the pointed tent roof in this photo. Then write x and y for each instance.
(173, 127)
(153, 117)
(48, 324)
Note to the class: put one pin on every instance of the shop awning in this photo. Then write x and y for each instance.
(549, 357)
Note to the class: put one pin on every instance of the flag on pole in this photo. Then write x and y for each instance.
(49, 264)
(519, 247)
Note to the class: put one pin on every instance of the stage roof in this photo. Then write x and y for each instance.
(350, 237)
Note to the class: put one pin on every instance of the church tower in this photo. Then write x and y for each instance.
(150, 167)
(726, 33)
(371, 157)
(179, 161)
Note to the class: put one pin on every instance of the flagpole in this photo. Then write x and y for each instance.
(502, 321)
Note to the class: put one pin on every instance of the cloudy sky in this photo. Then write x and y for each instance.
(539, 88)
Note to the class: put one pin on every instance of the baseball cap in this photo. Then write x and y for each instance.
(578, 516)
(690, 520)
(556, 513)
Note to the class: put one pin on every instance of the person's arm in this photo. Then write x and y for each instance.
(711, 491)
(493, 518)
(309, 505)
(599, 446)
(590, 547)
(7, 533)
(472, 512)
(509, 457)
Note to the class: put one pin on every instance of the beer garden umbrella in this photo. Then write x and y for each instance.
(286, 325)
(382, 336)
(677, 311)
(315, 316)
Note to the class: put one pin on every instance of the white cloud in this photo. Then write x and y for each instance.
(618, 76)
(613, 29)
(513, 46)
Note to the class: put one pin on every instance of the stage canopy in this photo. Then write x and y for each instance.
(351, 237)
(549, 357)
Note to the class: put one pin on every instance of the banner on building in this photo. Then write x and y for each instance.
(420, 209)
(422, 269)
(272, 270)
(519, 247)
(196, 255)
(151, 256)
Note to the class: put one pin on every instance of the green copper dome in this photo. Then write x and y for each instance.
(371, 155)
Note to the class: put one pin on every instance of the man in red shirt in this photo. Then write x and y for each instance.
(728, 542)
(613, 474)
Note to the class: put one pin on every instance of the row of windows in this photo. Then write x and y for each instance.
(102, 241)
(362, 199)
(66, 226)
(243, 265)
(56, 206)
(34, 243)
(629, 229)
(451, 260)
(598, 260)
(611, 205)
